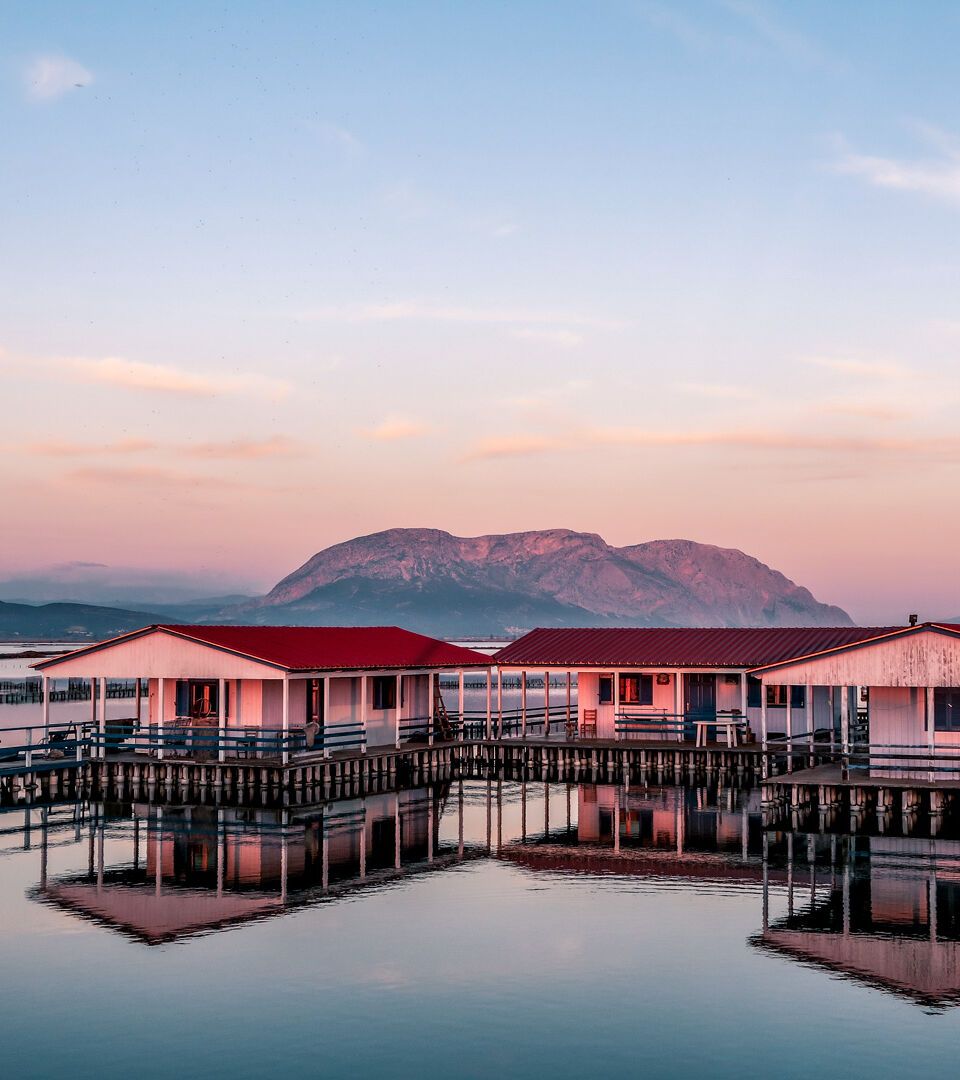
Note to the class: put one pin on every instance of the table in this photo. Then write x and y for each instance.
(731, 723)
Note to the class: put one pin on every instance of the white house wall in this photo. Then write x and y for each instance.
(160, 655)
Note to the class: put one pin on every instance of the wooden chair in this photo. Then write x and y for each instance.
(588, 729)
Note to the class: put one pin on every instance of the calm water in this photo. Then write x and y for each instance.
(494, 929)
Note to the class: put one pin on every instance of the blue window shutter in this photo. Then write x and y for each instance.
(183, 697)
(646, 689)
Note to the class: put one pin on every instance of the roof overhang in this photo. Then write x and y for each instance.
(867, 643)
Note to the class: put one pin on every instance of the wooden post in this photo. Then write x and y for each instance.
(326, 715)
(500, 702)
(103, 717)
(399, 693)
(789, 690)
(161, 683)
(523, 704)
(678, 704)
(845, 723)
(363, 714)
(460, 702)
(45, 692)
(616, 705)
(764, 741)
(222, 719)
(833, 719)
(489, 730)
(138, 693)
(285, 720)
(432, 713)
(932, 727)
(569, 691)
(811, 711)
(546, 704)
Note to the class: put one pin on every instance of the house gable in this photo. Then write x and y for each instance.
(157, 653)
(925, 656)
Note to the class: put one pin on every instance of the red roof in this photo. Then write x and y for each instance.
(318, 648)
(305, 648)
(723, 647)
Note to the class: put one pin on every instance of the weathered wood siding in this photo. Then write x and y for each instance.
(925, 658)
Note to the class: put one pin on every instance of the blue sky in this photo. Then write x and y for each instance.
(278, 275)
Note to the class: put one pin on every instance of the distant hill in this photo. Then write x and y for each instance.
(434, 582)
(67, 622)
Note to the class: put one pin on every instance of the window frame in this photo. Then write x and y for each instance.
(795, 694)
(644, 688)
(946, 708)
(384, 696)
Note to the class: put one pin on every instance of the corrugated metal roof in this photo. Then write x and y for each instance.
(879, 638)
(315, 648)
(717, 647)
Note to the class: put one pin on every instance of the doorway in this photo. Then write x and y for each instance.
(700, 703)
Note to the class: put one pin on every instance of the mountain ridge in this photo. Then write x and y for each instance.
(434, 581)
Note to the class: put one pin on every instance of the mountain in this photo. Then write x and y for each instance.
(129, 587)
(431, 581)
(68, 622)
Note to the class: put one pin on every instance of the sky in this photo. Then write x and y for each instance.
(275, 276)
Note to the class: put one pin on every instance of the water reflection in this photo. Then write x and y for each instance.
(881, 910)
(173, 872)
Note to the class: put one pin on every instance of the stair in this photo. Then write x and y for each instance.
(440, 715)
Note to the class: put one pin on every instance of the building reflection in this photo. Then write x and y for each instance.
(880, 910)
(162, 873)
(661, 831)
(158, 874)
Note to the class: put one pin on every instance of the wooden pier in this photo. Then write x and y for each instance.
(259, 781)
(854, 800)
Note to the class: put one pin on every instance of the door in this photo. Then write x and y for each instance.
(700, 703)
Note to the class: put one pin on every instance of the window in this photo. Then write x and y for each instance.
(605, 689)
(384, 692)
(754, 692)
(199, 699)
(636, 689)
(777, 696)
(946, 708)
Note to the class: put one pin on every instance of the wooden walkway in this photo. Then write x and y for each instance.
(607, 759)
